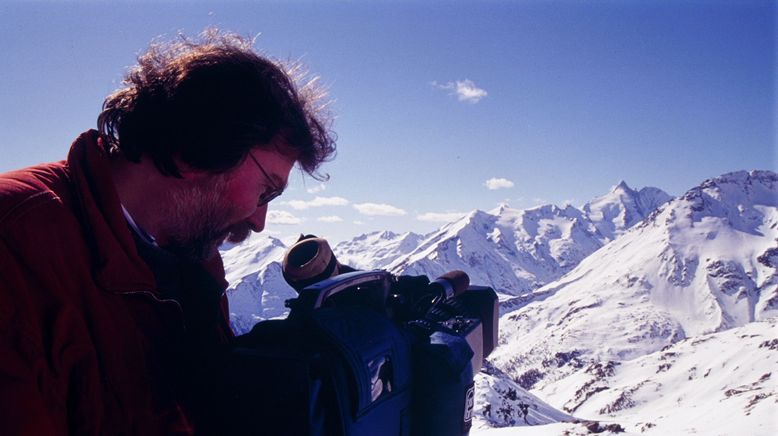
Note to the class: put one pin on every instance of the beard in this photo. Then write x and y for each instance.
(199, 223)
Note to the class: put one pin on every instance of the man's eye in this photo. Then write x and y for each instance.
(268, 196)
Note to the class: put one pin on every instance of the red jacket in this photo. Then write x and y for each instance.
(85, 336)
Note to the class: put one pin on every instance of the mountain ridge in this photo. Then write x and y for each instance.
(530, 247)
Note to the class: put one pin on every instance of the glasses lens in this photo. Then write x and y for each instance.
(268, 197)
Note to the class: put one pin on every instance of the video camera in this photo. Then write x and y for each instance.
(361, 353)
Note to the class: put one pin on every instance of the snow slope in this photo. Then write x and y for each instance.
(720, 383)
(500, 402)
(701, 264)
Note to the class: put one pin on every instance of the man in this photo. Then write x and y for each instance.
(112, 305)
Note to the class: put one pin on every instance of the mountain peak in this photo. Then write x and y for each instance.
(737, 197)
(741, 178)
(387, 234)
(623, 207)
(621, 186)
(500, 209)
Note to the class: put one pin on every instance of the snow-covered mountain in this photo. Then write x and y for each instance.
(703, 263)
(622, 208)
(376, 250)
(516, 251)
(257, 290)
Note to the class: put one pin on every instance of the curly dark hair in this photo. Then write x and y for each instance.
(208, 101)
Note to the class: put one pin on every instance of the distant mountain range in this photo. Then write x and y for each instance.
(629, 309)
(511, 250)
(514, 251)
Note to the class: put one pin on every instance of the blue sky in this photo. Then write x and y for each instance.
(433, 99)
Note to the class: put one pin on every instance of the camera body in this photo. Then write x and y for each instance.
(470, 312)
(363, 352)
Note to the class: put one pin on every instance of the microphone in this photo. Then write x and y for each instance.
(450, 284)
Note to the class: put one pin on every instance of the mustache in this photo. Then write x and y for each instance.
(238, 233)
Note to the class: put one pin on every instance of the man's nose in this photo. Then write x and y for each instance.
(257, 219)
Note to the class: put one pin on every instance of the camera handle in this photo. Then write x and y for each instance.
(376, 283)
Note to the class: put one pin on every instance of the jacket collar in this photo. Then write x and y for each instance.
(117, 265)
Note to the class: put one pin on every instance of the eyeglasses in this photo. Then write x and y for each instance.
(268, 195)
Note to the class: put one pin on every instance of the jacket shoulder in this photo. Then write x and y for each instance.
(38, 219)
(24, 190)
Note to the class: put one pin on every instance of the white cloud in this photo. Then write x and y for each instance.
(436, 217)
(316, 202)
(465, 90)
(378, 209)
(330, 219)
(498, 183)
(282, 217)
(359, 223)
(316, 189)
